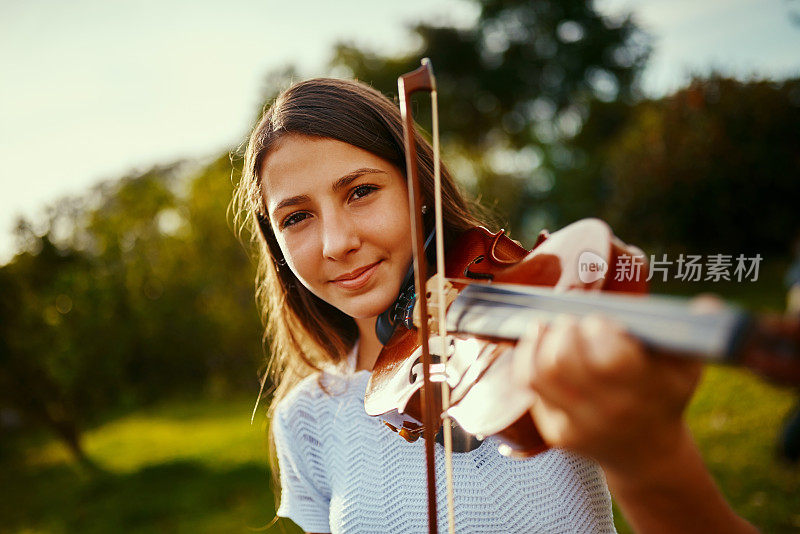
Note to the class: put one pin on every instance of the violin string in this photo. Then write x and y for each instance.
(437, 189)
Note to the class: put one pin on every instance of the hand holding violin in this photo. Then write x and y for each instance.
(602, 394)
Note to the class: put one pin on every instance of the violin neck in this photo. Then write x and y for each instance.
(663, 324)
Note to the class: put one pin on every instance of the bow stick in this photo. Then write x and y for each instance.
(422, 79)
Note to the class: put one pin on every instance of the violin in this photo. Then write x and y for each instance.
(492, 291)
(496, 291)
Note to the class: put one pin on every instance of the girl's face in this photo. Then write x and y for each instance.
(341, 218)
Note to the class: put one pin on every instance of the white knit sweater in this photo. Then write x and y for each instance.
(343, 471)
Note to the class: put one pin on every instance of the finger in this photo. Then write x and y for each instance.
(620, 381)
(706, 303)
(557, 372)
(631, 376)
(526, 352)
(553, 424)
(612, 355)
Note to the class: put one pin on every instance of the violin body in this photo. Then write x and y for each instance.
(485, 399)
(504, 291)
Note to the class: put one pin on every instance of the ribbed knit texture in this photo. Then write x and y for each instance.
(343, 471)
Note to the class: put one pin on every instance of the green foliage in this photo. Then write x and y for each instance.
(133, 292)
(735, 420)
(513, 90)
(713, 168)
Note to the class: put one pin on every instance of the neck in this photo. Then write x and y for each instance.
(368, 345)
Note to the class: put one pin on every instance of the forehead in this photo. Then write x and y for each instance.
(301, 165)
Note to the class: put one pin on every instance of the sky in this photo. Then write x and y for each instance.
(91, 90)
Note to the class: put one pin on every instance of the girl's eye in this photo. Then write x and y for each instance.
(361, 191)
(293, 219)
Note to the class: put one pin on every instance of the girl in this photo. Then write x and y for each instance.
(324, 195)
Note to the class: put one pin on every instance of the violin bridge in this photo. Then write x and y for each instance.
(432, 294)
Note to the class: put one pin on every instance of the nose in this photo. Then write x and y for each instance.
(339, 237)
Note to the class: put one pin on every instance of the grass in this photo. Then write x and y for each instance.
(179, 467)
(201, 467)
(735, 419)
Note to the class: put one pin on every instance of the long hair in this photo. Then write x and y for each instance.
(304, 331)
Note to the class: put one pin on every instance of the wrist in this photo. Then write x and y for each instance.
(672, 491)
(656, 466)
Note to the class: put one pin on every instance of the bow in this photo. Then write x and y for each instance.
(422, 79)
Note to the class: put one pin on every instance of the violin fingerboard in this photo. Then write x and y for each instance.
(666, 324)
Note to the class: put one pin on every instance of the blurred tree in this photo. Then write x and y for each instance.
(713, 168)
(135, 292)
(224, 275)
(514, 89)
(794, 12)
(39, 376)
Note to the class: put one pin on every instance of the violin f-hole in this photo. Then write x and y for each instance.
(437, 368)
(468, 273)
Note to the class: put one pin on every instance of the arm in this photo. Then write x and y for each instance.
(602, 395)
(678, 487)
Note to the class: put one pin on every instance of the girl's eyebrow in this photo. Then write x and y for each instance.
(348, 178)
(337, 186)
(291, 201)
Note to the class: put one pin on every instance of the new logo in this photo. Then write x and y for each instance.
(591, 267)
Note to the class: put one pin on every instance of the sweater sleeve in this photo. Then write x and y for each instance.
(302, 499)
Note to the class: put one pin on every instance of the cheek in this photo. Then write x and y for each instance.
(393, 227)
(299, 256)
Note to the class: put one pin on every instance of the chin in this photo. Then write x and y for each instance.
(372, 307)
(370, 313)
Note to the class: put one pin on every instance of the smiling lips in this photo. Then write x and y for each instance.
(358, 278)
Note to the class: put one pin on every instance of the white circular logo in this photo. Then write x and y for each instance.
(591, 267)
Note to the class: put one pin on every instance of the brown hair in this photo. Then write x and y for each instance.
(304, 331)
